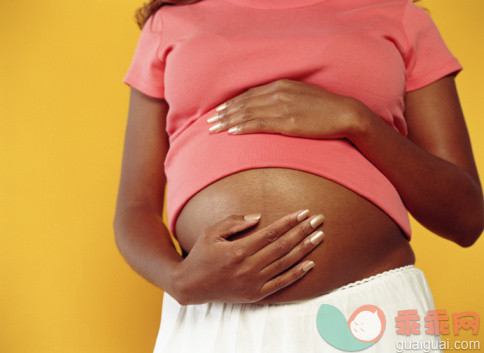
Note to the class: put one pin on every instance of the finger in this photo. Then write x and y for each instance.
(250, 94)
(303, 248)
(231, 225)
(272, 232)
(254, 107)
(286, 243)
(231, 106)
(285, 279)
(266, 124)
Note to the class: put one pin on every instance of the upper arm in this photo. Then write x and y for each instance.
(146, 144)
(436, 123)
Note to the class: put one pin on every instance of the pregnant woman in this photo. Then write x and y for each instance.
(294, 136)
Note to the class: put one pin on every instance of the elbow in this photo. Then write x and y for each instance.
(468, 239)
(474, 228)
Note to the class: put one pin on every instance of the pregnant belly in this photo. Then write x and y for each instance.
(360, 239)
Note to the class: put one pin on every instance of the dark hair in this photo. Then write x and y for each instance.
(144, 12)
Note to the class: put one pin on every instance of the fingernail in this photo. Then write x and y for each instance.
(252, 217)
(233, 129)
(214, 127)
(307, 266)
(221, 106)
(213, 119)
(316, 221)
(317, 237)
(302, 215)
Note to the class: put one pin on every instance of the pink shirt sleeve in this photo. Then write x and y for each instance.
(146, 72)
(427, 57)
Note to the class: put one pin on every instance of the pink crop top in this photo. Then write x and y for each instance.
(199, 55)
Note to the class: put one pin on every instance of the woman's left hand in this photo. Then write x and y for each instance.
(288, 107)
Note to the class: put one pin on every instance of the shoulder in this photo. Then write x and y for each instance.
(414, 12)
(154, 23)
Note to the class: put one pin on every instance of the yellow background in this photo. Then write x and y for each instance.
(63, 110)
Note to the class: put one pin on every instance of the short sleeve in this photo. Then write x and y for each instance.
(146, 71)
(427, 57)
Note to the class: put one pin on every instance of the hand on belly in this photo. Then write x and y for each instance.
(247, 269)
(360, 239)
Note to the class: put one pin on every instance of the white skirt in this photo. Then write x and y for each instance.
(366, 314)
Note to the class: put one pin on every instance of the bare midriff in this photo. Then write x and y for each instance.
(360, 239)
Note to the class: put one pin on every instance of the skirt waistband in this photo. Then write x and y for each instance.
(404, 271)
(379, 275)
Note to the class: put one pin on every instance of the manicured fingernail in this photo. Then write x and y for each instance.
(307, 266)
(213, 118)
(302, 215)
(316, 221)
(252, 217)
(317, 237)
(221, 106)
(214, 127)
(233, 129)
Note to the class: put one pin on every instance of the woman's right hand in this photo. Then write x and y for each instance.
(248, 269)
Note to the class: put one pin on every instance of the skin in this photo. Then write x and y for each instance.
(435, 158)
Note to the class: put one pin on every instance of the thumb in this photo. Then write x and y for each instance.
(231, 225)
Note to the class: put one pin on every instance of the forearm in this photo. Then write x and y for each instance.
(440, 195)
(144, 241)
